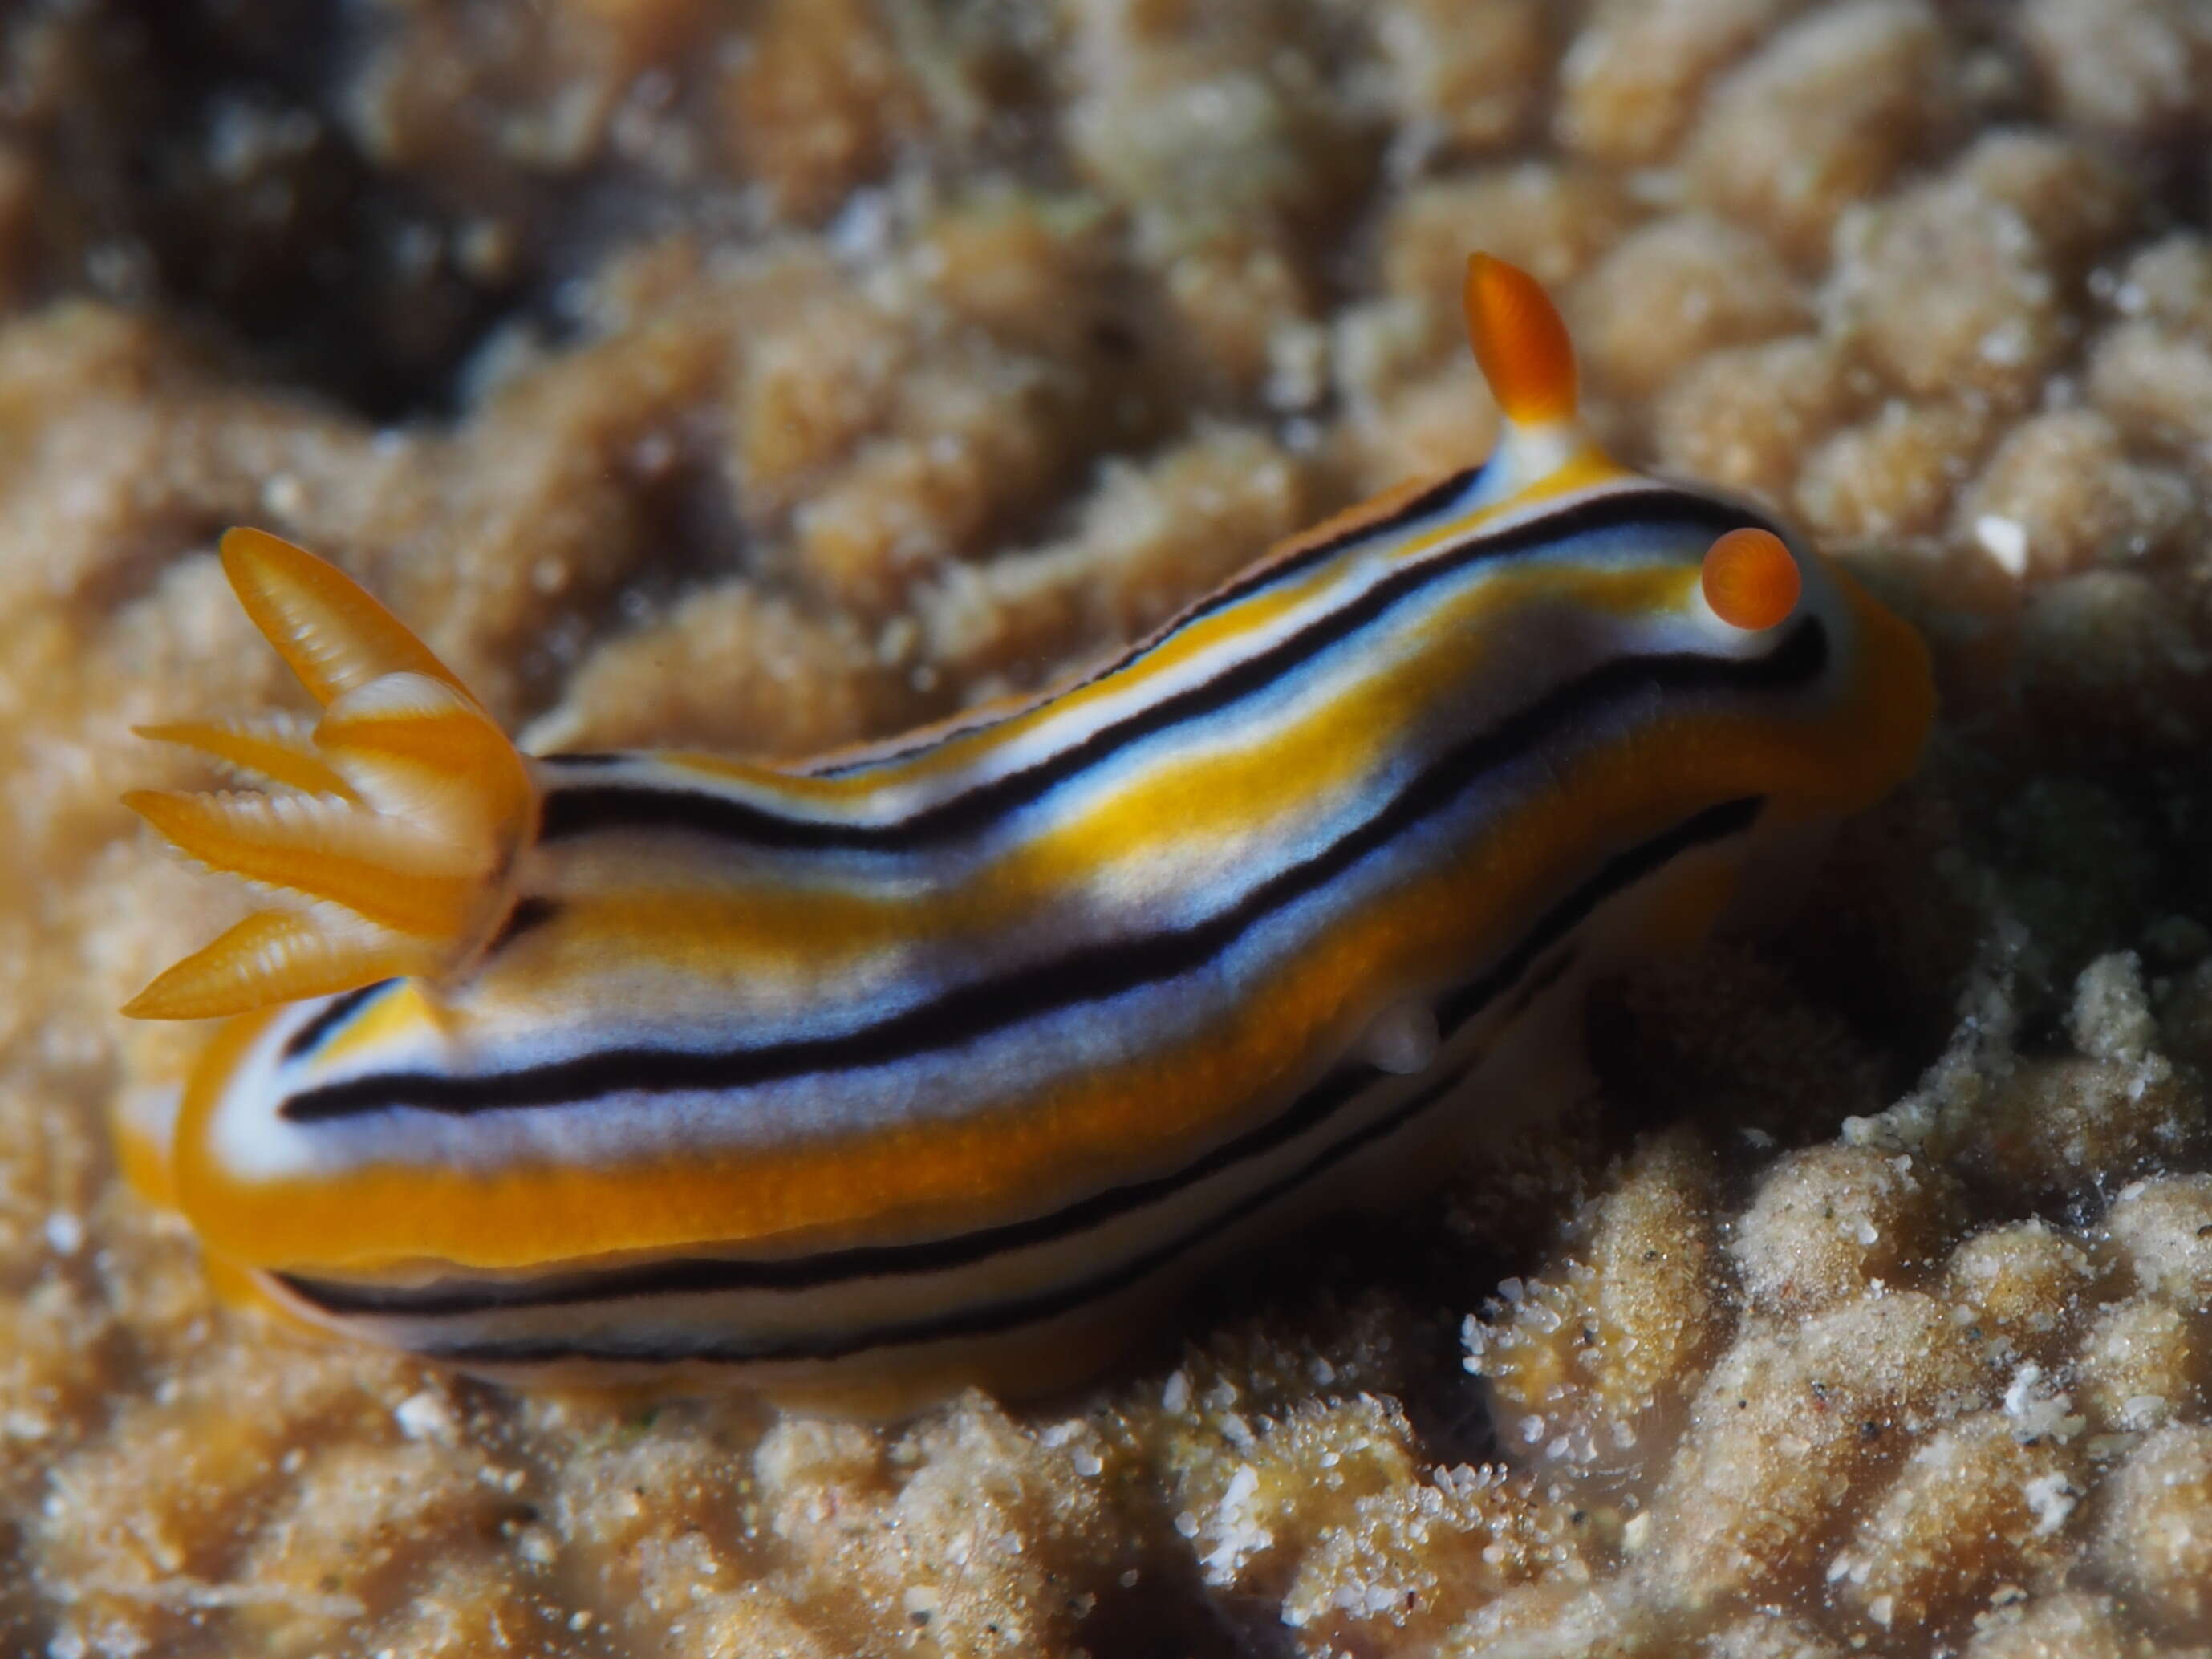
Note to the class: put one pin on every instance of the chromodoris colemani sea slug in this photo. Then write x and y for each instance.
(939, 1061)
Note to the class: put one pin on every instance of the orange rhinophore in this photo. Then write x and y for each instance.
(1520, 342)
(1750, 579)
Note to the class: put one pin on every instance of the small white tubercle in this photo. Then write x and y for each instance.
(1402, 1038)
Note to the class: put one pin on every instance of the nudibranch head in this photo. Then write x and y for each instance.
(393, 821)
(1738, 584)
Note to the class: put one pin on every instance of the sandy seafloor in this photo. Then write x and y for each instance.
(762, 376)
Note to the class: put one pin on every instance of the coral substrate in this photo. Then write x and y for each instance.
(762, 377)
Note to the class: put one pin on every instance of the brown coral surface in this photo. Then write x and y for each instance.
(768, 375)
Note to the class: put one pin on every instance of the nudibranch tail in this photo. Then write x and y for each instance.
(399, 818)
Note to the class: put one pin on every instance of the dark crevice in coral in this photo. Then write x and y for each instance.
(208, 175)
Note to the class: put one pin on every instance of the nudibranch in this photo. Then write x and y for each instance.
(934, 1062)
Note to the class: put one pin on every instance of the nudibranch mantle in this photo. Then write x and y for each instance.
(935, 1062)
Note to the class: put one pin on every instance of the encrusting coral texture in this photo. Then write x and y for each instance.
(763, 378)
